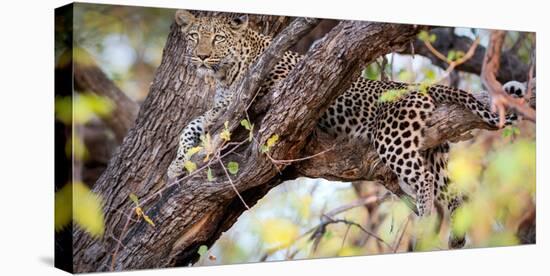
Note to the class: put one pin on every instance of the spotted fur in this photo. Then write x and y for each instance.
(225, 49)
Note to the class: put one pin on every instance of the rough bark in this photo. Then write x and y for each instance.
(511, 67)
(197, 211)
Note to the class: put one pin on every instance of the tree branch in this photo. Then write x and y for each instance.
(88, 77)
(500, 100)
(511, 67)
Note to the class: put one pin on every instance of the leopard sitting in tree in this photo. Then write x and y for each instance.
(225, 48)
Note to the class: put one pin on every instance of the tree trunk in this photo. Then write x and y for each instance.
(196, 211)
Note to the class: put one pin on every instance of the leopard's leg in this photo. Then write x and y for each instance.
(399, 136)
(191, 134)
(189, 137)
(449, 199)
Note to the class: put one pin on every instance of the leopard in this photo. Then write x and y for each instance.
(225, 48)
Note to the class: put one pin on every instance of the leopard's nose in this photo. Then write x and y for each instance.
(203, 57)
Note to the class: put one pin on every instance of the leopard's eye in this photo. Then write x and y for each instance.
(219, 38)
(193, 36)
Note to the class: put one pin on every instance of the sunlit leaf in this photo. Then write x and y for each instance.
(226, 134)
(190, 166)
(206, 142)
(250, 127)
(392, 95)
(63, 205)
(203, 249)
(148, 220)
(209, 175)
(246, 124)
(349, 251)
(279, 232)
(134, 198)
(463, 220)
(423, 35)
(233, 167)
(304, 206)
(272, 140)
(75, 148)
(87, 210)
(192, 151)
(503, 239)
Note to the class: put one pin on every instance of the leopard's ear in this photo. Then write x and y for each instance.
(239, 23)
(184, 18)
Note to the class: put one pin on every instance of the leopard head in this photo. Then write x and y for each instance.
(214, 44)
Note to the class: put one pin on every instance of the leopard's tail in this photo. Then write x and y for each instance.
(443, 94)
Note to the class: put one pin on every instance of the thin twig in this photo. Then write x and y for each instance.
(401, 235)
(452, 63)
(331, 220)
(232, 184)
(288, 161)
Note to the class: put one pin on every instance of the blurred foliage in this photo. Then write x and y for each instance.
(125, 41)
(76, 202)
(81, 108)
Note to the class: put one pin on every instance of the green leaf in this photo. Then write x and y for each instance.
(233, 167)
(203, 249)
(250, 127)
(429, 74)
(134, 198)
(451, 55)
(424, 36)
(392, 95)
(246, 124)
(328, 235)
(209, 175)
(432, 38)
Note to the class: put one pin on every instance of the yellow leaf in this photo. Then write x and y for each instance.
(76, 148)
(63, 204)
(272, 140)
(206, 142)
(304, 206)
(139, 211)
(225, 135)
(192, 151)
(87, 210)
(148, 220)
(190, 166)
(279, 233)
